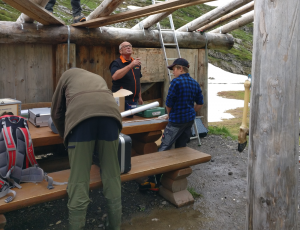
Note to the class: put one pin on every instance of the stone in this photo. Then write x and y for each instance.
(174, 185)
(179, 174)
(179, 199)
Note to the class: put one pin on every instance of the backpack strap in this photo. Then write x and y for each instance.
(10, 145)
(4, 190)
(29, 146)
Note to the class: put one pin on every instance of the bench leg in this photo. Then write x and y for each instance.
(2, 221)
(174, 187)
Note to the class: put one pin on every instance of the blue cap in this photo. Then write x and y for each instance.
(179, 61)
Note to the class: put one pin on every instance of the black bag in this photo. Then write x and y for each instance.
(201, 128)
(124, 153)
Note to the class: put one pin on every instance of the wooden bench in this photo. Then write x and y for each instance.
(175, 164)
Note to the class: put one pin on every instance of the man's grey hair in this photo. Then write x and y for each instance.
(120, 46)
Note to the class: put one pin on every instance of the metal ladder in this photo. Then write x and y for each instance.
(175, 44)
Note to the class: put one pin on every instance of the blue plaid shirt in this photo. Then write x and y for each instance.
(183, 92)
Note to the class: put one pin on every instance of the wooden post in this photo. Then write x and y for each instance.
(62, 63)
(202, 79)
(213, 15)
(274, 130)
(235, 24)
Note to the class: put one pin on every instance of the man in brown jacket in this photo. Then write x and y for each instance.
(86, 115)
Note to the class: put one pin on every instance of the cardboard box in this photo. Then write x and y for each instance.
(10, 106)
(120, 98)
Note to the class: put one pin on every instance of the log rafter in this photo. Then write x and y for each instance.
(104, 9)
(245, 9)
(213, 15)
(141, 12)
(235, 24)
(151, 20)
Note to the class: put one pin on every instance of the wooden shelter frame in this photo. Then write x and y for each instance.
(26, 48)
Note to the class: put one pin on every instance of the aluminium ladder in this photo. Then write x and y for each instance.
(175, 44)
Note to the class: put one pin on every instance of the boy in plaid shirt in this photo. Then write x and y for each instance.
(184, 91)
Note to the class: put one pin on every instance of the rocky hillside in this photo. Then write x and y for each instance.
(236, 60)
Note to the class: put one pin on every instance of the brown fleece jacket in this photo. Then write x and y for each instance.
(80, 95)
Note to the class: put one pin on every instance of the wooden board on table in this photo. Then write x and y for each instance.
(144, 165)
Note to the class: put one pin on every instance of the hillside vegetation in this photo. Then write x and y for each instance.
(237, 60)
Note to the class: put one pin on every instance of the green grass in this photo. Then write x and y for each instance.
(238, 95)
(220, 130)
(194, 193)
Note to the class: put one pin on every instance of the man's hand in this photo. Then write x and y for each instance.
(135, 62)
(141, 101)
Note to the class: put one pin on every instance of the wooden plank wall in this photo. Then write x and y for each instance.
(29, 73)
(97, 59)
(26, 72)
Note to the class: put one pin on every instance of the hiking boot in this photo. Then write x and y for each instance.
(148, 186)
(79, 18)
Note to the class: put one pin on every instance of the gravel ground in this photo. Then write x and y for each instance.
(221, 183)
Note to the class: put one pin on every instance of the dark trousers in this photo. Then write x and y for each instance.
(75, 7)
(101, 135)
(178, 133)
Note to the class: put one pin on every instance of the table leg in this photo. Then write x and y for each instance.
(144, 143)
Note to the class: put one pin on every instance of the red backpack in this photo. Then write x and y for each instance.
(17, 159)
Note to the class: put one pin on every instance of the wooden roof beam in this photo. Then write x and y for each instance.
(11, 33)
(23, 18)
(141, 12)
(245, 9)
(35, 12)
(213, 15)
(151, 20)
(105, 9)
(235, 24)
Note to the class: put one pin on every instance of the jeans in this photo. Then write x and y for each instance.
(75, 7)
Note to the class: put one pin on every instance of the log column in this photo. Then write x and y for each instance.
(174, 187)
(202, 79)
(273, 167)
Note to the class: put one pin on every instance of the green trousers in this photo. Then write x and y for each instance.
(80, 157)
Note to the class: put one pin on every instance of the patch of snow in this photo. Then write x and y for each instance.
(223, 81)
(133, 7)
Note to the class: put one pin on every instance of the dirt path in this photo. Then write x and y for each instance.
(222, 205)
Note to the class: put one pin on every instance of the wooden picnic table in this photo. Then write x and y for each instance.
(43, 136)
